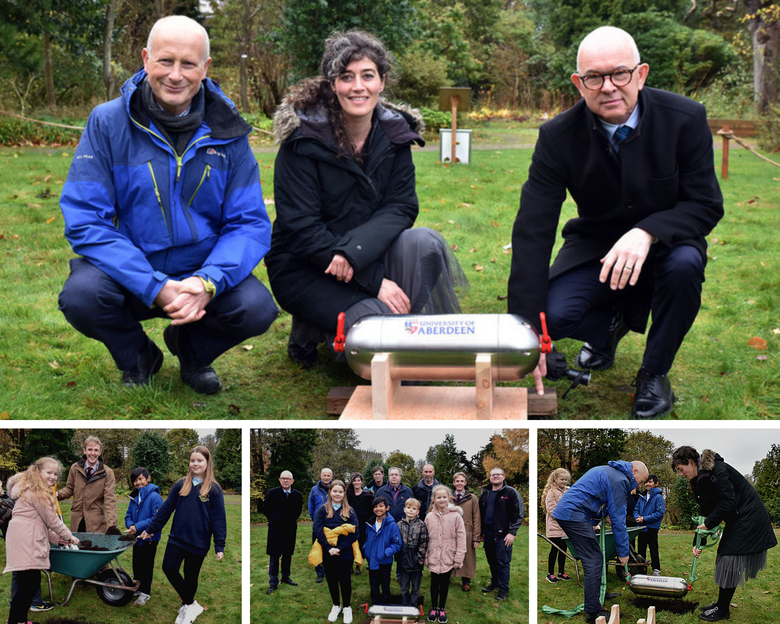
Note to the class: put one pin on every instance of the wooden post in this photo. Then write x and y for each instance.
(484, 386)
(454, 100)
(383, 386)
(724, 163)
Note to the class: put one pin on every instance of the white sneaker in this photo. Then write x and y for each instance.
(334, 613)
(142, 599)
(182, 614)
(193, 611)
(347, 615)
(656, 573)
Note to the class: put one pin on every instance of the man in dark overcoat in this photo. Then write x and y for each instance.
(282, 507)
(638, 164)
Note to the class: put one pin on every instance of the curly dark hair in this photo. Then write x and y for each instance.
(682, 455)
(341, 49)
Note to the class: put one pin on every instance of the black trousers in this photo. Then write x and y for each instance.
(143, 565)
(561, 556)
(377, 578)
(187, 585)
(29, 583)
(581, 307)
(440, 588)
(650, 538)
(338, 573)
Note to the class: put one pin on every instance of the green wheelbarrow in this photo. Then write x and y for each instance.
(636, 565)
(114, 586)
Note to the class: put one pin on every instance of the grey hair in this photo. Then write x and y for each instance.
(608, 32)
(400, 472)
(180, 21)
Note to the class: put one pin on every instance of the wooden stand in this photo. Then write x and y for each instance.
(614, 617)
(387, 399)
(406, 620)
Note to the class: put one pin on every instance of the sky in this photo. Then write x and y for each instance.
(416, 442)
(740, 448)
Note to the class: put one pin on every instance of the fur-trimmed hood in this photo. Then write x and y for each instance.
(295, 112)
(708, 459)
(11, 485)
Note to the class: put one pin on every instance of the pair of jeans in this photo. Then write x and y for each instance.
(586, 544)
(499, 556)
(102, 309)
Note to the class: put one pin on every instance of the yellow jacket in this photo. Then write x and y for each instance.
(332, 535)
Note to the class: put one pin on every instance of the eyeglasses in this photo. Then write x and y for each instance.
(619, 78)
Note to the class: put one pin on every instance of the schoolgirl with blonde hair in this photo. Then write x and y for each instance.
(557, 484)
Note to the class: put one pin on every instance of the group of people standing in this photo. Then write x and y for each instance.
(36, 523)
(429, 525)
(605, 492)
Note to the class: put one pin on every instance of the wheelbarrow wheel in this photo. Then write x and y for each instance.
(114, 596)
(621, 570)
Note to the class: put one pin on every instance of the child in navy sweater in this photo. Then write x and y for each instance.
(200, 513)
(145, 500)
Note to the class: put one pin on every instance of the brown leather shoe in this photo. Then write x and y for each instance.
(467, 588)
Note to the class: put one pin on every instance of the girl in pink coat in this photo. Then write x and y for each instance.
(446, 547)
(34, 524)
(557, 484)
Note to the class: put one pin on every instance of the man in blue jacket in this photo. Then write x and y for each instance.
(317, 496)
(164, 206)
(600, 492)
(650, 512)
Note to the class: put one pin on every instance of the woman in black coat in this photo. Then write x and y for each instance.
(724, 495)
(362, 501)
(344, 192)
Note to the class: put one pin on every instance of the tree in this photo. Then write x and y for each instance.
(336, 449)
(596, 447)
(445, 459)
(10, 454)
(181, 441)
(227, 458)
(767, 481)
(152, 451)
(763, 24)
(655, 452)
(307, 23)
(47, 442)
(510, 452)
(290, 449)
(681, 506)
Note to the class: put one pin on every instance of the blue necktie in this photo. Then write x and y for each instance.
(620, 135)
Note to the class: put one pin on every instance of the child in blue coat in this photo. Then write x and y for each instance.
(383, 541)
(649, 512)
(145, 500)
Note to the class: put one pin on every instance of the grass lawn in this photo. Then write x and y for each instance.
(309, 603)
(219, 588)
(728, 366)
(754, 602)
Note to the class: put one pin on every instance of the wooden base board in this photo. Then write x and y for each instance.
(438, 403)
(539, 406)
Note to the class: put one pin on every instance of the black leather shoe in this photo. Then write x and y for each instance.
(654, 397)
(319, 579)
(502, 596)
(289, 581)
(712, 605)
(490, 588)
(270, 591)
(306, 355)
(611, 595)
(590, 618)
(202, 379)
(150, 360)
(714, 615)
(592, 357)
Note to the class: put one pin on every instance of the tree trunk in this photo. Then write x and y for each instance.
(765, 37)
(242, 66)
(109, 78)
(48, 71)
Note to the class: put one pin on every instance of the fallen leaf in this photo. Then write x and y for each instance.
(757, 343)
(454, 248)
(49, 220)
(479, 267)
(473, 186)
(248, 347)
(501, 297)
(495, 224)
(70, 384)
(234, 410)
(47, 178)
(451, 222)
(5, 416)
(15, 237)
(776, 330)
(493, 260)
(54, 364)
(473, 250)
(761, 357)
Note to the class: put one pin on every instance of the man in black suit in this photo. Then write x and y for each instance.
(638, 163)
(282, 507)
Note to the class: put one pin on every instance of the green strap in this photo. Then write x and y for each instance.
(714, 533)
(581, 607)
